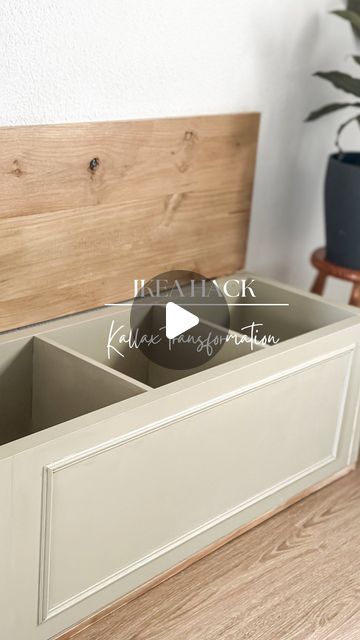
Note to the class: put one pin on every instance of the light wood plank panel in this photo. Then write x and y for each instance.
(166, 194)
(86, 257)
(47, 168)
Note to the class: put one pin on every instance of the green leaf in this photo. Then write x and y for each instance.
(356, 58)
(330, 108)
(351, 16)
(354, 5)
(341, 81)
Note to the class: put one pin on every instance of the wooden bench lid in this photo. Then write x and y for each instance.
(87, 208)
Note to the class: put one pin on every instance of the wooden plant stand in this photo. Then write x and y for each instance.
(326, 268)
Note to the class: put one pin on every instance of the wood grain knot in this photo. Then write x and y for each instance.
(94, 164)
(184, 154)
(16, 170)
(190, 136)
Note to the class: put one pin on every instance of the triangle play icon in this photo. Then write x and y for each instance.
(178, 320)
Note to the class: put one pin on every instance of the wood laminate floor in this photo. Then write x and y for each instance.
(297, 576)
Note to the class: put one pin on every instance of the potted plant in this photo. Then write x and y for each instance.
(342, 185)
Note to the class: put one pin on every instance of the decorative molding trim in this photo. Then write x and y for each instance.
(353, 447)
(343, 403)
(46, 611)
(93, 618)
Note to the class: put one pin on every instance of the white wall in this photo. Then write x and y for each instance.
(75, 60)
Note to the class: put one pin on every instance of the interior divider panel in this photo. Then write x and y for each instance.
(123, 377)
(66, 386)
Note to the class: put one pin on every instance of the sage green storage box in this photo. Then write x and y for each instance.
(113, 471)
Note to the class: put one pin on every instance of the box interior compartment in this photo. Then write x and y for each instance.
(66, 372)
(42, 385)
(91, 338)
(303, 314)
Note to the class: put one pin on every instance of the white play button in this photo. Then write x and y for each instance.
(166, 331)
(178, 320)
